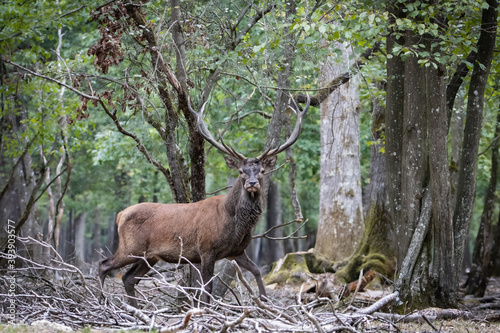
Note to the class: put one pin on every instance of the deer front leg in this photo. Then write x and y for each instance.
(207, 272)
(249, 265)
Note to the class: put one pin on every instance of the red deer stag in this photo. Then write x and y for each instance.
(201, 232)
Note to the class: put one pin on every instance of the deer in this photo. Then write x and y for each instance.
(200, 232)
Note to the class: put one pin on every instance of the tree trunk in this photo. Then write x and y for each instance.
(272, 250)
(67, 239)
(393, 135)
(376, 250)
(442, 237)
(456, 134)
(18, 202)
(466, 191)
(430, 246)
(494, 267)
(96, 236)
(80, 239)
(414, 155)
(340, 223)
(478, 276)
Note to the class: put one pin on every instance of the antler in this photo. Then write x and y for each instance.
(295, 134)
(202, 128)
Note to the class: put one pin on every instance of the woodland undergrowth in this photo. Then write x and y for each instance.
(59, 292)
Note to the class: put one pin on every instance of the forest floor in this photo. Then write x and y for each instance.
(71, 303)
(485, 313)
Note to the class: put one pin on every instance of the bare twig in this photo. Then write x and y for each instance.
(357, 287)
(290, 236)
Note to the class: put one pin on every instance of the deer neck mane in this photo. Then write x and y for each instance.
(244, 208)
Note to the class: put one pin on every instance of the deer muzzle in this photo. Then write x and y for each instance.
(252, 185)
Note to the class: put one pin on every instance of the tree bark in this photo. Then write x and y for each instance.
(272, 250)
(393, 134)
(442, 241)
(414, 155)
(376, 251)
(96, 236)
(340, 223)
(80, 239)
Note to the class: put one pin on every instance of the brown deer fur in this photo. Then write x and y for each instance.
(202, 232)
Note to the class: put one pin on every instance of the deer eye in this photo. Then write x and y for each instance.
(240, 171)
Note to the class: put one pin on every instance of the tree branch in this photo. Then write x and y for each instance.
(48, 78)
(323, 93)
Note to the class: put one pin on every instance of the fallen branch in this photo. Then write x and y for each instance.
(379, 304)
(430, 314)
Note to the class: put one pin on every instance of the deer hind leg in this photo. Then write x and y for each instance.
(131, 278)
(111, 263)
(249, 265)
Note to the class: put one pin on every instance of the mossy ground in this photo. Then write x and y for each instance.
(296, 267)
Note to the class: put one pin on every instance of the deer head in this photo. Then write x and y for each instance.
(251, 169)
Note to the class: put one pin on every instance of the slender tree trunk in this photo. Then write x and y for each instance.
(80, 239)
(466, 191)
(96, 236)
(340, 225)
(456, 134)
(494, 267)
(52, 210)
(66, 239)
(393, 134)
(478, 276)
(279, 117)
(273, 250)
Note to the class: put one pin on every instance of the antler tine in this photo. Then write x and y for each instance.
(232, 151)
(296, 131)
(202, 128)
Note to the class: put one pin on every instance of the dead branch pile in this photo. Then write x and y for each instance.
(59, 292)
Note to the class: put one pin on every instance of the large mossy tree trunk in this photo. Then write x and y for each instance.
(376, 249)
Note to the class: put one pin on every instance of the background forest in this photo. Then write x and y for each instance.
(395, 170)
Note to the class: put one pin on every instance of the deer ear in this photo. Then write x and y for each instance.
(231, 162)
(269, 162)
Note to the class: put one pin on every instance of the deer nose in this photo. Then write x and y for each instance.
(252, 183)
